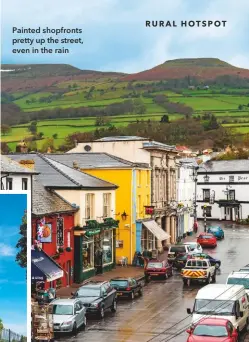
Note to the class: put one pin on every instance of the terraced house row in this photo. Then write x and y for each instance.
(98, 205)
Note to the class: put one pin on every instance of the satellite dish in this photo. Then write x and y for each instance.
(87, 148)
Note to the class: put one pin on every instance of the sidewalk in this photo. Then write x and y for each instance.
(119, 271)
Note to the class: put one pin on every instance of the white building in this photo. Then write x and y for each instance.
(185, 195)
(14, 176)
(162, 160)
(224, 185)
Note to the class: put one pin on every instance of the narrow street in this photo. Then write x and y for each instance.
(155, 317)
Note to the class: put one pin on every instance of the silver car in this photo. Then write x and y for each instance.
(68, 315)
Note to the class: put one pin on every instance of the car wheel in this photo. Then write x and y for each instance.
(140, 292)
(84, 324)
(114, 306)
(185, 281)
(132, 295)
(208, 279)
(214, 278)
(102, 312)
(74, 331)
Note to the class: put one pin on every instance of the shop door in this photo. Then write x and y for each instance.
(69, 272)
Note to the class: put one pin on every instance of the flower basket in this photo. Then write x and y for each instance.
(69, 249)
(56, 256)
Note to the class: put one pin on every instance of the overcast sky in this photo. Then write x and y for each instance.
(115, 36)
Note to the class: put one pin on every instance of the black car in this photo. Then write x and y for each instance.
(180, 261)
(97, 297)
(213, 261)
(127, 287)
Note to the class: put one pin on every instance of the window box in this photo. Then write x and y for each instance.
(69, 249)
(60, 250)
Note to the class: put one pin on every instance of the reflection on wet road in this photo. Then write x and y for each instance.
(161, 312)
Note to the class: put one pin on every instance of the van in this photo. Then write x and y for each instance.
(222, 301)
(239, 278)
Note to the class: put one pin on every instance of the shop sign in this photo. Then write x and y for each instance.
(149, 210)
(44, 232)
(119, 243)
(92, 232)
(60, 231)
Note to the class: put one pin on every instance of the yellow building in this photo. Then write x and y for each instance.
(133, 193)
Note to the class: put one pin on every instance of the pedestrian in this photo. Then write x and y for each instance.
(195, 226)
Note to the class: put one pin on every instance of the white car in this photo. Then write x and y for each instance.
(194, 246)
(239, 278)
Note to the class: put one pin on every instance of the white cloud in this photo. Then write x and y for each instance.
(6, 250)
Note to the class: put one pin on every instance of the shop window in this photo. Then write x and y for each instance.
(89, 206)
(88, 254)
(106, 205)
(24, 183)
(9, 184)
(107, 247)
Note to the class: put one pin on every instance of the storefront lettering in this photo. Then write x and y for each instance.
(37, 260)
(60, 231)
(242, 178)
(222, 178)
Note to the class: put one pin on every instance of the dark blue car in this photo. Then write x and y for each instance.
(217, 231)
(213, 261)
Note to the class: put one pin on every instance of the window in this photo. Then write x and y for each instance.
(88, 254)
(106, 205)
(231, 179)
(24, 183)
(107, 247)
(89, 206)
(206, 195)
(9, 183)
(231, 195)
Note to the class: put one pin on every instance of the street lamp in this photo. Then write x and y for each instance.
(206, 178)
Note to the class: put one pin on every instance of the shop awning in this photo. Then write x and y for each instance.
(156, 230)
(44, 268)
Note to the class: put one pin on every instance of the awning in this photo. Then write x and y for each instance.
(156, 230)
(44, 268)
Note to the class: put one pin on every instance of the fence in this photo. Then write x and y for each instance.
(7, 335)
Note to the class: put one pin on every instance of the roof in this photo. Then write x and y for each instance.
(182, 148)
(157, 145)
(213, 321)
(219, 291)
(188, 162)
(96, 283)
(60, 176)
(238, 275)
(65, 301)
(45, 202)
(94, 160)
(12, 167)
(121, 138)
(225, 166)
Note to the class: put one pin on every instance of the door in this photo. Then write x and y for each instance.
(231, 214)
(68, 272)
(81, 313)
(76, 313)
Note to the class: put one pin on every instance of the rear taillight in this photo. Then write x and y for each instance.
(128, 288)
(163, 269)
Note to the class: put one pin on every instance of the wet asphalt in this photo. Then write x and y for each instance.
(160, 315)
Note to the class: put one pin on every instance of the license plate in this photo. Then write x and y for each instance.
(154, 274)
(119, 294)
(56, 328)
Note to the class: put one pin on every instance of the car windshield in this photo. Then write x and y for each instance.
(88, 292)
(117, 282)
(155, 265)
(212, 307)
(206, 237)
(62, 309)
(210, 330)
(244, 270)
(214, 229)
(239, 281)
(175, 249)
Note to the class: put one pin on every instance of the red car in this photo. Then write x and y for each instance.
(157, 268)
(207, 240)
(213, 330)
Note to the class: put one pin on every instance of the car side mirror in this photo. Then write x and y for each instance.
(241, 313)
(189, 311)
(188, 331)
(234, 334)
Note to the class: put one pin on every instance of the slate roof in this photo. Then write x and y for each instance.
(94, 161)
(45, 202)
(225, 166)
(157, 145)
(58, 176)
(121, 138)
(10, 166)
(188, 161)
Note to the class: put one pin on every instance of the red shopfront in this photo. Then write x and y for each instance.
(58, 243)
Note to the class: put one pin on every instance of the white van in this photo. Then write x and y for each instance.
(239, 278)
(222, 301)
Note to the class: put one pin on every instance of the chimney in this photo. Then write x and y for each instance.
(27, 163)
(75, 165)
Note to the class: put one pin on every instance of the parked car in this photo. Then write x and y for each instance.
(245, 269)
(213, 261)
(127, 287)
(217, 231)
(68, 315)
(198, 270)
(213, 329)
(97, 297)
(194, 246)
(239, 278)
(180, 261)
(207, 240)
(176, 250)
(156, 268)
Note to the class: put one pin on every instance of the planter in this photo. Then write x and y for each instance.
(69, 249)
(60, 250)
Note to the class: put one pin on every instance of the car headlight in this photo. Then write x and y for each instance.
(67, 323)
(94, 305)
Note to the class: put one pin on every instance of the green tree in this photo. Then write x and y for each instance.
(1, 326)
(55, 135)
(21, 257)
(165, 119)
(240, 107)
(5, 129)
(33, 127)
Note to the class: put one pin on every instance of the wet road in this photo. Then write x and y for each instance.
(160, 314)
